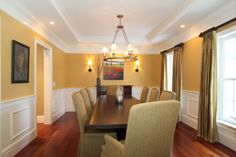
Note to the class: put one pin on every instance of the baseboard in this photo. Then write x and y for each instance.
(189, 121)
(40, 119)
(58, 114)
(227, 140)
(70, 109)
(19, 144)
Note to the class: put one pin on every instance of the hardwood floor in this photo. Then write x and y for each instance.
(61, 140)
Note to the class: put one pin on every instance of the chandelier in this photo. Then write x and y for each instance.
(113, 54)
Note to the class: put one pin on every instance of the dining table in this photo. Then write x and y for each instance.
(108, 115)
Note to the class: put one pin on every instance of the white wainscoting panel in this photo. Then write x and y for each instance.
(227, 136)
(136, 91)
(69, 105)
(189, 116)
(18, 124)
(69, 101)
(189, 113)
(58, 105)
(93, 91)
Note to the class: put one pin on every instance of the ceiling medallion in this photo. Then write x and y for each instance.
(114, 54)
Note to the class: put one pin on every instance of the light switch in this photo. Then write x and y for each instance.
(54, 84)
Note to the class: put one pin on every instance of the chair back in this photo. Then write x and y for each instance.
(88, 105)
(80, 109)
(144, 94)
(111, 89)
(151, 129)
(154, 95)
(90, 96)
(167, 95)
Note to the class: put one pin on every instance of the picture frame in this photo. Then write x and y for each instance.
(20, 62)
(113, 70)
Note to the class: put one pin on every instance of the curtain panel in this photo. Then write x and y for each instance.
(207, 128)
(177, 73)
(163, 84)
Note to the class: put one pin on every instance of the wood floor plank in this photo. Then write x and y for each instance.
(62, 137)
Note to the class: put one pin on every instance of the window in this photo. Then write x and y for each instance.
(169, 58)
(226, 48)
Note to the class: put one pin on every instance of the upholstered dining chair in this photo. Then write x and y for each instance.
(154, 95)
(150, 131)
(90, 142)
(111, 89)
(144, 94)
(167, 95)
(87, 102)
(90, 97)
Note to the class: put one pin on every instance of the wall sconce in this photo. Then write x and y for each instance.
(137, 63)
(89, 65)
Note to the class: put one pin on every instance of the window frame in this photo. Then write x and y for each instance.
(169, 86)
(221, 37)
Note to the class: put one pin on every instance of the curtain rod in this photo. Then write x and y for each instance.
(178, 45)
(217, 27)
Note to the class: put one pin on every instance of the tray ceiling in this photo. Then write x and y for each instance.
(85, 26)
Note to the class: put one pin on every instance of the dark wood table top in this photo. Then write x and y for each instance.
(108, 114)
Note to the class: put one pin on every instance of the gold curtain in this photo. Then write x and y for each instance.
(207, 128)
(177, 75)
(163, 85)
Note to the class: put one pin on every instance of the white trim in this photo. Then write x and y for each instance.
(19, 144)
(219, 16)
(19, 127)
(58, 106)
(48, 79)
(59, 8)
(175, 16)
(13, 136)
(16, 101)
(221, 122)
(0, 84)
(226, 133)
(21, 14)
(40, 119)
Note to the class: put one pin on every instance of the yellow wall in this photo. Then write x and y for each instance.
(70, 70)
(191, 60)
(40, 81)
(77, 74)
(12, 29)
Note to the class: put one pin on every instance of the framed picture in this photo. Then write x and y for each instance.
(113, 71)
(20, 62)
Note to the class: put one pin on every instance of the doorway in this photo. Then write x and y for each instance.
(43, 86)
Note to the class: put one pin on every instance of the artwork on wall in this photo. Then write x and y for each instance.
(113, 71)
(20, 63)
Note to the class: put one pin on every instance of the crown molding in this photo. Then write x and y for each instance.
(221, 15)
(96, 47)
(61, 11)
(21, 14)
(175, 16)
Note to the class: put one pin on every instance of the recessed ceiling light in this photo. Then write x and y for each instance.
(52, 23)
(182, 26)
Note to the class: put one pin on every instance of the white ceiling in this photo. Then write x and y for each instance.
(84, 26)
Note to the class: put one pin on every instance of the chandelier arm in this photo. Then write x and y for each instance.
(114, 39)
(125, 37)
